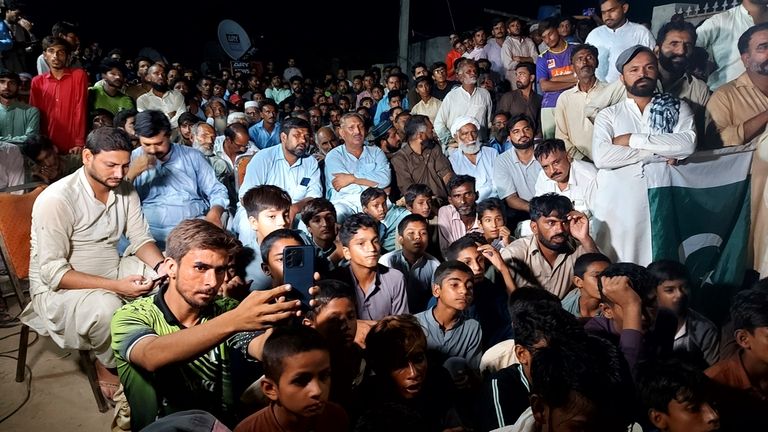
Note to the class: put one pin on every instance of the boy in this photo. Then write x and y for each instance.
(271, 252)
(448, 331)
(268, 208)
(418, 200)
(297, 369)
(696, 335)
(584, 300)
(491, 214)
(413, 261)
(374, 202)
(319, 216)
(678, 397)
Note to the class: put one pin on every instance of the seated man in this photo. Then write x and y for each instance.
(174, 182)
(77, 279)
(552, 249)
(562, 176)
(473, 158)
(376, 204)
(49, 165)
(459, 217)
(173, 348)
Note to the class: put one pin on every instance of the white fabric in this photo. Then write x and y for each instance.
(511, 176)
(524, 423)
(719, 35)
(579, 183)
(611, 43)
(482, 172)
(477, 53)
(11, 165)
(172, 102)
(516, 47)
(493, 53)
(460, 103)
(572, 124)
(462, 121)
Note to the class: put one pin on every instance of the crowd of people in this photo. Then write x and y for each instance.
(475, 264)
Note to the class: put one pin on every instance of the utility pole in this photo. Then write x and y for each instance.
(402, 56)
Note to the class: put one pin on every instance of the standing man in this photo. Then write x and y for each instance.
(615, 36)
(427, 105)
(109, 94)
(516, 49)
(494, 46)
(554, 72)
(523, 99)
(18, 121)
(161, 98)
(77, 279)
(626, 137)
(61, 97)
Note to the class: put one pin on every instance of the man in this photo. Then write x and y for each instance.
(384, 136)
(478, 51)
(465, 100)
(571, 124)
(562, 176)
(393, 83)
(291, 70)
(719, 35)
(368, 82)
(739, 111)
(554, 72)
(523, 99)
(276, 92)
(142, 85)
(18, 121)
(515, 171)
(174, 182)
(427, 104)
(109, 95)
(420, 160)
(161, 98)
(205, 90)
(625, 137)
(15, 37)
(69, 32)
(495, 45)
(77, 278)
(500, 133)
(353, 167)
(551, 251)
(459, 217)
(473, 158)
(174, 348)
(516, 49)
(266, 133)
(298, 97)
(615, 36)
(61, 97)
(441, 85)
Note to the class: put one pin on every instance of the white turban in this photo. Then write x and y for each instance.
(251, 104)
(461, 122)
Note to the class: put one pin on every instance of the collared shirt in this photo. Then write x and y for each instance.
(516, 47)
(571, 124)
(511, 176)
(698, 336)
(218, 150)
(579, 185)
(277, 94)
(482, 171)
(458, 102)
(269, 167)
(500, 147)
(18, 121)
(429, 108)
(493, 54)
(732, 105)
(451, 228)
(515, 103)
(372, 165)
(462, 340)
(555, 278)
(182, 187)
(171, 103)
(719, 35)
(611, 43)
(98, 98)
(263, 138)
(429, 168)
(387, 295)
(418, 277)
(72, 230)
(63, 105)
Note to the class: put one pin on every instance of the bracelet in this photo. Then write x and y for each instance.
(157, 266)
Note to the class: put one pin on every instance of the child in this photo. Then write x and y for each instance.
(297, 369)
(448, 331)
(584, 300)
(319, 216)
(418, 200)
(491, 214)
(267, 208)
(272, 253)
(413, 261)
(696, 335)
(375, 203)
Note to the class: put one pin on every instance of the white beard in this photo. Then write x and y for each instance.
(202, 149)
(470, 148)
(219, 124)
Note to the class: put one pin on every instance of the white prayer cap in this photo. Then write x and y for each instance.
(236, 117)
(461, 122)
(251, 104)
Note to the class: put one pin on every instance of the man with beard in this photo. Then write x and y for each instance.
(266, 133)
(298, 97)
(421, 161)
(384, 136)
(515, 172)
(552, 249)
(739, 113)
(473, 158)
(524, 99)
(517, 49)
(252, 112)
(571, 124)
(466, 100)
(614, 36)
(161, 98)
(459, 217)
(77, 278)
(18, 121)
(645, 127)
(174, 182)
(202, 140)
(109, 95)
(500, 133)
(61, 97)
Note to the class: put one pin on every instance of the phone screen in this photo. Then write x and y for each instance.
(298, 271)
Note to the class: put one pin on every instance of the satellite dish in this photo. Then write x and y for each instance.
(233, 39)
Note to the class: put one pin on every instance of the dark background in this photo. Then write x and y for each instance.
(320, 34)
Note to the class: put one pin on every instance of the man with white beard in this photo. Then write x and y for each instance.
(473, 158)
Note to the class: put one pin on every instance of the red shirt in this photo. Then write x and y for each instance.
(63, 107)
(450, 58)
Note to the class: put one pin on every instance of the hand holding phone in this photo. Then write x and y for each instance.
(298, 271)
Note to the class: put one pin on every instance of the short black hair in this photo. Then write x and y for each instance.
(36, 144)
(267, 102)
(287, 341)
(659, 383)
(151, 123)
(122, 116)
(265, 197)
(679, 26)
(294, 123)
(545, 205)
(581, 47)
(489, 204)
(549, 23)
(330, 289)
(583, 262)
(459, 180)
(459, 245)
(749, 309)
(409, 219)
(521, 117)
(314, 207)
(543, 321)
(371, 194)
(418, 65)
(108, 139)
(437, 65)
(747, 36)
(50, 41)
(391, 342)
(668, 270)
(273, 237)
(108, 65)
(415, 190)
(529, 66)
(640, 279)
(355, 222)
(547, 147)
(447, 267)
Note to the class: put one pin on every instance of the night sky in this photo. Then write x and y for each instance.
(314, 32)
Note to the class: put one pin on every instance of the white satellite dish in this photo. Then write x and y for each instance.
(233, 39)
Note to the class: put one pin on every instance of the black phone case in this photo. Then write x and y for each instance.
(299, 270)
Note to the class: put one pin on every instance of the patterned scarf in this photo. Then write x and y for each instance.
(665, 111)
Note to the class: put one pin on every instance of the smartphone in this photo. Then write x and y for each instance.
(588, 12)
(299, 270)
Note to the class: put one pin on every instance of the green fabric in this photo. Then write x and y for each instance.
(18, 121)
(98, 98)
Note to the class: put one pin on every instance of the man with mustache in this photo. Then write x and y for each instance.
(515, 172)
(562, 176)
(645, 127)
(161, 97)
(109, 95)
(18, 121)
(459, 217)
(560, 236)
(473, 158)
(524, 99)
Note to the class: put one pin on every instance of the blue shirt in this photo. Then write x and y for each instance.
(388, 227)
(383, 106)
(500, 147)
(262, 138)
(182, 187)
(269, 167)
(372, 165)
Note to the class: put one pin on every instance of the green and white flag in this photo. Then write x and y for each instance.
(700, 216)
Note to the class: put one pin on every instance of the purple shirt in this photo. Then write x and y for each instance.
(550, 65)
(386, 297)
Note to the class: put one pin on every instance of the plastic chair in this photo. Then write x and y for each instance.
(240, 166)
